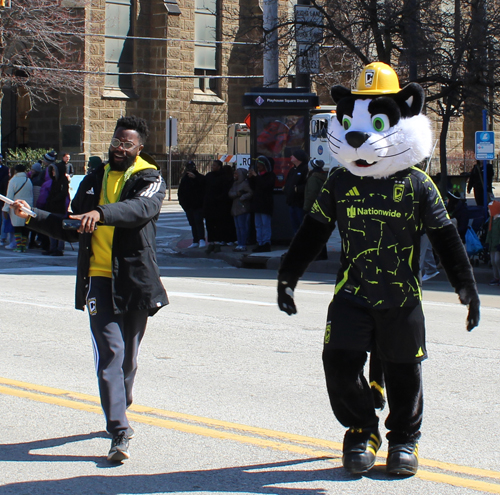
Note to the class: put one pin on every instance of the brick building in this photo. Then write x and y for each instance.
(172, 64)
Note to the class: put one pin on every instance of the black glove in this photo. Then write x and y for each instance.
(285, 298)
(468, 295)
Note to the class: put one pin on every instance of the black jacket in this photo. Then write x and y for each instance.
(263, 192)
(58, 199)
(135, 274)
(216, 200)
(295, 185)
(191, 192)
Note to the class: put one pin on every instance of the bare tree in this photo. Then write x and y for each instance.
(40, 44)
(451, 47)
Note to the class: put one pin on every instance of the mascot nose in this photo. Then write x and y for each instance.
(356, 138)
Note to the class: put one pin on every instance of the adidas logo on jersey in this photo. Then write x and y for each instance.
(90, 191)
(353, 192)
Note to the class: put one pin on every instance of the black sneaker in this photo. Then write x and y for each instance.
(403, 459)
(360, 449)
(119, 448)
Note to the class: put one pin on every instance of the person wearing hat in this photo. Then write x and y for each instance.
(295, 186)
(93, 163)
(49, 158)
(191, 195)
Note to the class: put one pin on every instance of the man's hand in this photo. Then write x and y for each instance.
(89, 221)
(285, 298)
(17, 205)
(468, 295)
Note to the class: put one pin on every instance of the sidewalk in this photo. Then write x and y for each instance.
(271, 261)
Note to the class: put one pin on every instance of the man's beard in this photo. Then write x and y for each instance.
(122, 165)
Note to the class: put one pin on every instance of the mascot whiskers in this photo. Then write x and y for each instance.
(381, 202)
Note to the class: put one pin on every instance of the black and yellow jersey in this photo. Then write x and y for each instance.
(380, 223)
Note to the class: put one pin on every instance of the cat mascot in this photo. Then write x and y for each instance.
(381, 203)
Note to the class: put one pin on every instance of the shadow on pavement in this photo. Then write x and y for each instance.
(269, 478)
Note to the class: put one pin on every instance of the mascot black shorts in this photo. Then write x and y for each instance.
(397, 333)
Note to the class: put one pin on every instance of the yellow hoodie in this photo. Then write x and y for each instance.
(102, 238)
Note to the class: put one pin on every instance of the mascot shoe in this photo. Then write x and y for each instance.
(360, 449)
(402, 459)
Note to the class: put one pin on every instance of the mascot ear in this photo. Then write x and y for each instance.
(411, 100)
(339, 92)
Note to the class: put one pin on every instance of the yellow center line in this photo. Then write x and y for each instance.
(224, 430)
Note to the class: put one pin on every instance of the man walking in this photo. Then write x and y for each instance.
(117, 277)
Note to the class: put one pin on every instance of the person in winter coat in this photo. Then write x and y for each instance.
(295, 186)
(215, 205)
(37, 176)
(20, 187)
(262, 179)
(4, 182)
(43, 195)
(476, 182)
(315, 180)
(48, 159)
(191, 194)
(57, 202)
(227, 221)
(241, 194)
(493, 240)
(118, 278)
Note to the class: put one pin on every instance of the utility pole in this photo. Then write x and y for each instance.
(271, 54)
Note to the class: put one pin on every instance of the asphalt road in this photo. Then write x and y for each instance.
(230, 395)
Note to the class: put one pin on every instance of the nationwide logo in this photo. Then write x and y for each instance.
(354, 211)
(353, 192)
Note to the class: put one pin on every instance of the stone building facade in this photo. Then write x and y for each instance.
(168, 61)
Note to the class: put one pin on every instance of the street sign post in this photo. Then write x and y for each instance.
(171, 138)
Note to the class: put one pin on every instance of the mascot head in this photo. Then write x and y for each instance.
(379, 129)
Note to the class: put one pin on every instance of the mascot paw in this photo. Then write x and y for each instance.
(285, 298)
(473, 315)
(468, 295)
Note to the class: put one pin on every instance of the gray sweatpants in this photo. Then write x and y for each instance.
(116, 339)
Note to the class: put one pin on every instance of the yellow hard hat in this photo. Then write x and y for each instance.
(377, 78)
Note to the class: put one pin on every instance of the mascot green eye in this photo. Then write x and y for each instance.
(346, 123)
(380, 122)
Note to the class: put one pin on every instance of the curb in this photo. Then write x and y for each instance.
(482, 272)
